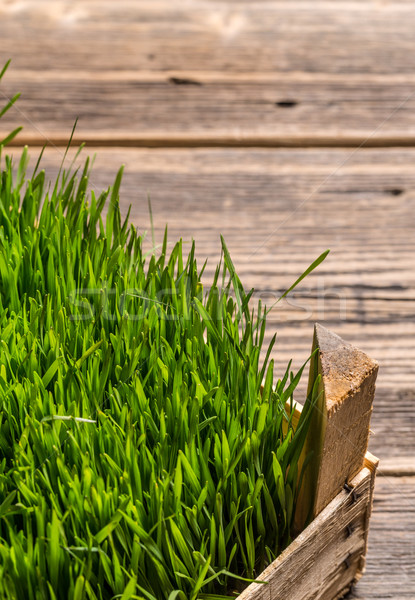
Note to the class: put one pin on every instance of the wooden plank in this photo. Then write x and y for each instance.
(278, 210)
(390, 565)
(140, 110)
(203, 35)
(289, 205)
(405, 465)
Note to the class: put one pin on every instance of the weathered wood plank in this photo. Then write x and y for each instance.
(140, 110)
(277, 210)
(390, 572)
(263, 202)
(391, 466)
(203, 35)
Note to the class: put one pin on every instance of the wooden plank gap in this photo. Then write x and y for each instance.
(221, 141)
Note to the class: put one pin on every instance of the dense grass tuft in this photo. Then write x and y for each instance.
(139, 457)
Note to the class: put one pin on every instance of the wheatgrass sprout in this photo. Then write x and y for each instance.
(145, 448)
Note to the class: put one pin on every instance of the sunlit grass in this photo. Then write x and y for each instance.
(145, 449)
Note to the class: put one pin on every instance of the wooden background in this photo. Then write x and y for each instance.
(287, 126)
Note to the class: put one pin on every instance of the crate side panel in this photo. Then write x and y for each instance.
(324, 559)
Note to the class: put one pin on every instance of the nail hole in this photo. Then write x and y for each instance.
(394, 191)
(183, 81)
(286, 103)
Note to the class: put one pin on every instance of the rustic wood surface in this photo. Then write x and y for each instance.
(264, 76)
(361, 36)
(150, 110)
(391, 554)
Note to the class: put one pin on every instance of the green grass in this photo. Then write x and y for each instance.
(140, 456)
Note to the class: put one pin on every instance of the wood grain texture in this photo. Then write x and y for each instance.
(144, 111)
(390, 572)
(278, 210)
(212, 73)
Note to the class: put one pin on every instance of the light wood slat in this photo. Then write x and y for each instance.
(390, 562)
(393, 420)
(365, 290)
(330, 37)
(138, 111)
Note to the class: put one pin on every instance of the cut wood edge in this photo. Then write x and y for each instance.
(371, 462)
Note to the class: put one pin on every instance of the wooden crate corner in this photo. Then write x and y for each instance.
(328, 556)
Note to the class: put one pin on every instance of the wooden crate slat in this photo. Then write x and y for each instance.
(339, 429)
(309, 568)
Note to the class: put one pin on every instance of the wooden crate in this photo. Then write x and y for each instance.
(329, 555)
